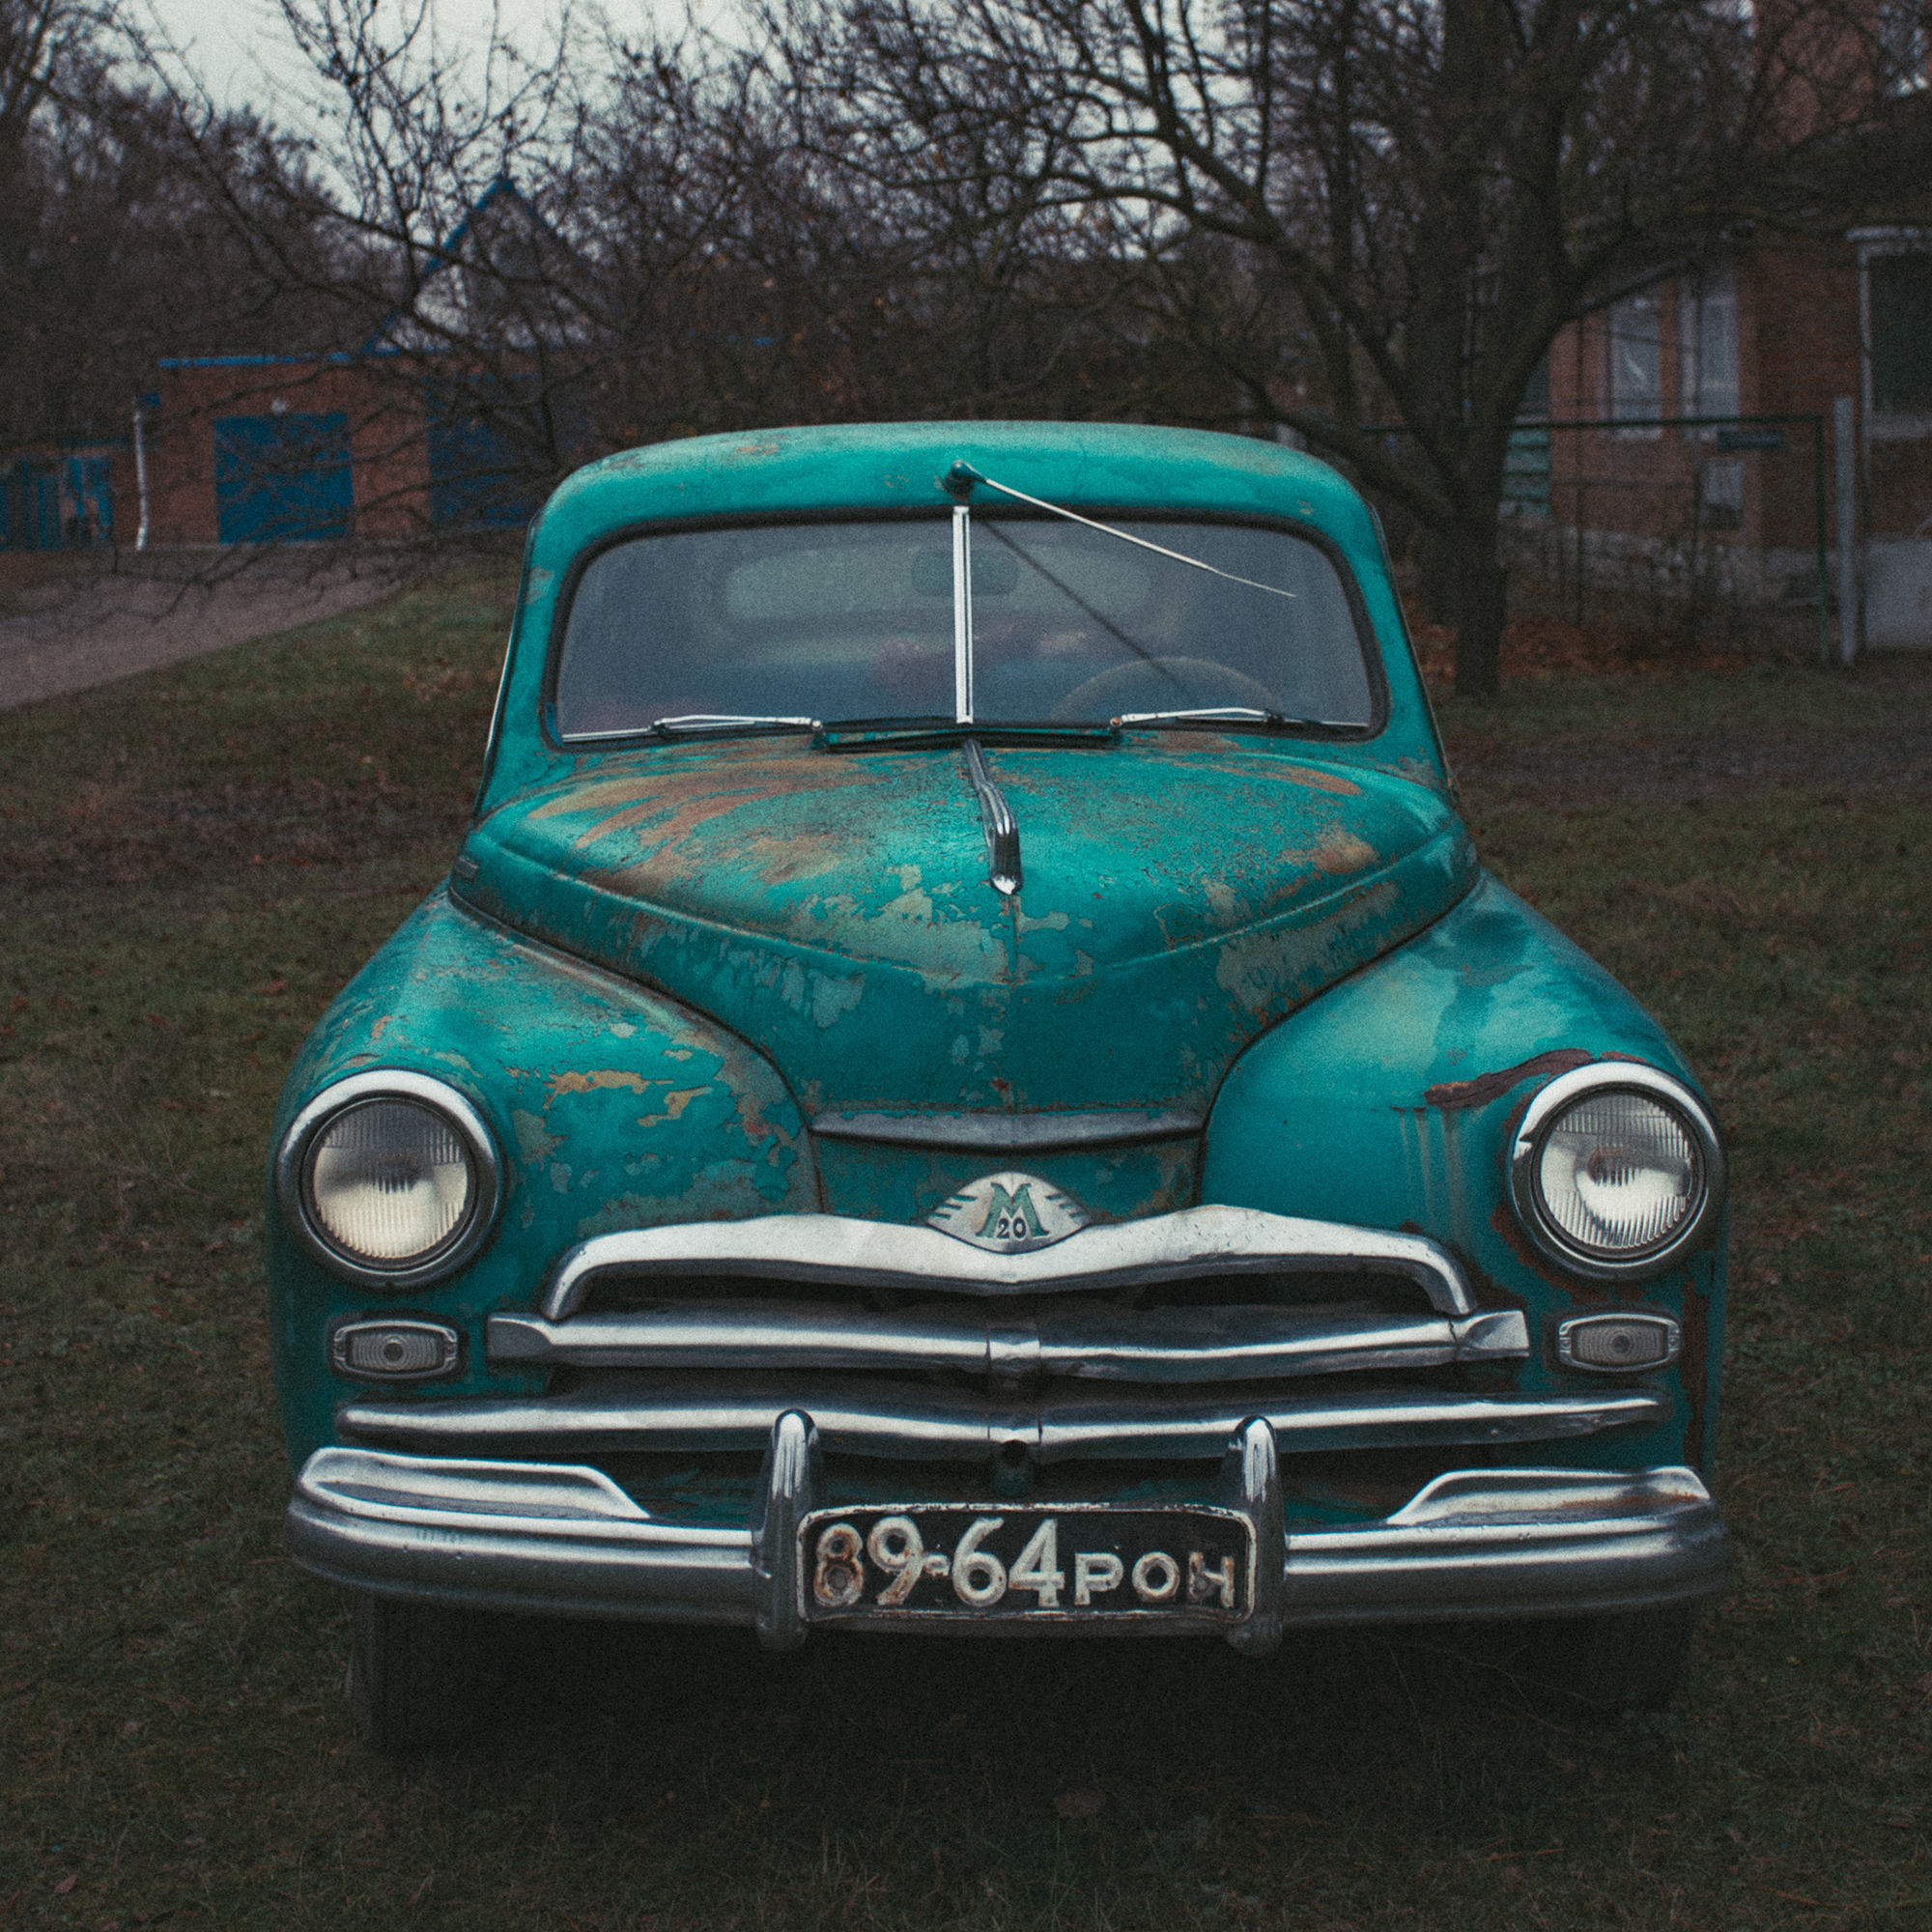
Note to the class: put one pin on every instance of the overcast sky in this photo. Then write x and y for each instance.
(241, 49)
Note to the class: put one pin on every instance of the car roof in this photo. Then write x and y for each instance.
(859, 467)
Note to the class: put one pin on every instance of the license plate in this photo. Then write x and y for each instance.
(1041, 1561)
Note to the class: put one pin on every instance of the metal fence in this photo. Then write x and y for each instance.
(1705, 532)
(1685, 533)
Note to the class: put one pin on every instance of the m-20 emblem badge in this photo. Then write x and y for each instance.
(1010, 1214)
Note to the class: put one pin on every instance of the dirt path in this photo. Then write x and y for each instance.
(67, 623)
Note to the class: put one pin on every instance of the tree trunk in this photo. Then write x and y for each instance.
(1479, 628)
(1466, 585)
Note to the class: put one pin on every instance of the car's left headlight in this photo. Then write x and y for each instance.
(389, 1179)
(1616, 1171)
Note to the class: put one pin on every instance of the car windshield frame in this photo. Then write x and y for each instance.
(884, 730)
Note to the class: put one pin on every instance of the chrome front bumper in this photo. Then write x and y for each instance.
(567, 1541)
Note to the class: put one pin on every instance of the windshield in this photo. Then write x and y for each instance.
(846, 621)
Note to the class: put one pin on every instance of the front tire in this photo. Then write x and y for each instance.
(420, 1674)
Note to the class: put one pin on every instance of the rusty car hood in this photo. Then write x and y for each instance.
(1181, 892)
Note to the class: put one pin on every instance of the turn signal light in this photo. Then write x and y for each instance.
(1617, 1344)
(395, 1351)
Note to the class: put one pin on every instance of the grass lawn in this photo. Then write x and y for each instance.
(194, 861)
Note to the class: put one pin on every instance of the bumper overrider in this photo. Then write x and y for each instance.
(505, 1525)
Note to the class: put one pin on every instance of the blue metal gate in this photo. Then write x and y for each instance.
(283, 478)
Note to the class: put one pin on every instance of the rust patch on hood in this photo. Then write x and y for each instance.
(1320, 781)
(1488, 1087)
(675, 800)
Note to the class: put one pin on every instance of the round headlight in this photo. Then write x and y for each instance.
(390, 1181)
(1616, 1171)
(390, 1178)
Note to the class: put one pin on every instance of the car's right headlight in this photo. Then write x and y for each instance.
(1616, 1171)
(390, 1178)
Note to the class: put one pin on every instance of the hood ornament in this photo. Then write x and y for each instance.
(1010, 1214)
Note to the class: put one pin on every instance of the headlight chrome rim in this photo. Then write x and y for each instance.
(292, 1161)
(1600, 1079)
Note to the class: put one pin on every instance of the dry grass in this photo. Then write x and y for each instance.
(197, 860)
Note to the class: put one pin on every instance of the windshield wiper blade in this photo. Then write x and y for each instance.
(858, 734)
(729, 721)
(1240, 714)
(695, 721)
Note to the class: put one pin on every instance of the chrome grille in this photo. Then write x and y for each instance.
(1140, 1341)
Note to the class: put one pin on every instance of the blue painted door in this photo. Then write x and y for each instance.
(30, 506)
(283, 479)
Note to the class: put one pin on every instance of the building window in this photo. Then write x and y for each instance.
(1635, 390)
(1900, 293)
(1722, 494)
(1707, 342)
(1904, 44)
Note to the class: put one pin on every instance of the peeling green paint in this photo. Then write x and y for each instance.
(557, 1058)
(1338, 1114)
(666, 959)
(845, 974)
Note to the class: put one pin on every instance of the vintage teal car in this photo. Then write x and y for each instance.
(966, 1073)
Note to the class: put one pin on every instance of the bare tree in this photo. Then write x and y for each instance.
(116, 238)
(595, 242)
(1358, 215)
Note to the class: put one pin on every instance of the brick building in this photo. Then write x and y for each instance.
(439, 420)
(1715, 388)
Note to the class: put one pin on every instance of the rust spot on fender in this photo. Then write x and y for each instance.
(1573, 1288)
(603, 1076)
(674, 1104)
(1339, 853)
(1488, 1087)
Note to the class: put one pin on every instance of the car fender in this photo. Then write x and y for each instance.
(611, 1106)
(1391, 1100)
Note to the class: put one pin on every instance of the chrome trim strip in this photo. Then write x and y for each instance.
(837, 1249)
(1672, 1335)
(1251, 1483)
(788, 1489)
(369, 1483)
(1010, 1133)
(962, 613)
(1613, 1076)
(461, 1532)
(390, 1083)
(926, 1422)
(996, 818)
(1155, 1345)
(1474, 1542)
